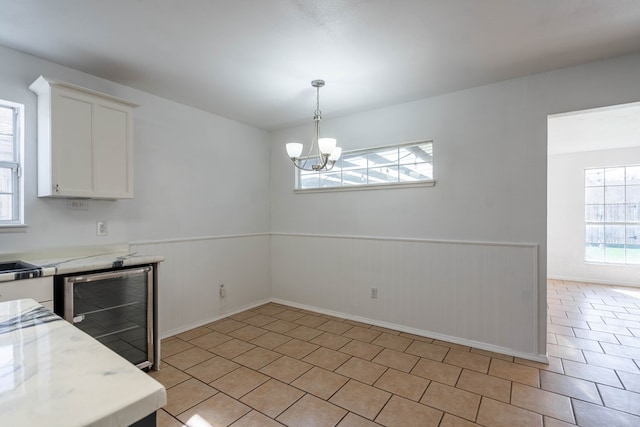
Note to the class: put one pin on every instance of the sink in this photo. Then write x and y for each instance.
(15, 266)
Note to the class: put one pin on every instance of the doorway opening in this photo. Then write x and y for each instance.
(593, 195)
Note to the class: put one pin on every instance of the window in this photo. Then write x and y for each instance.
(396, 164)
(11, 124)
(612, 215)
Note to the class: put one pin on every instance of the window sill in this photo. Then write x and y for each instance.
(610, 264)
(365, 187)
(13, 228)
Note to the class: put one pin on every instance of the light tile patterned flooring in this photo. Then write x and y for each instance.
(276, 365)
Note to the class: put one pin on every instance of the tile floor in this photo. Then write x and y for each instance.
(276, 365)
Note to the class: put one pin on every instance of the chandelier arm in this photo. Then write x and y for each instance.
(316, 140)
(318, 167)
(303, 167)
(314, 143)
(325, 160)
(304, 164)
(307, 156)
(312, 169)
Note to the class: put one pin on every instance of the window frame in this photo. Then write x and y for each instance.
(367, 186)
(16, 166)
(591, 209)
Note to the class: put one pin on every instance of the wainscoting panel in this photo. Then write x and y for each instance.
(481, 294)
(189, 279)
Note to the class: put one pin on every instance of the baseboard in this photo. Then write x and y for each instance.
(176, 331)
(596, 281)
(427, 334)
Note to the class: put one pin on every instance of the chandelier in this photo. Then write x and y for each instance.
(323, 152)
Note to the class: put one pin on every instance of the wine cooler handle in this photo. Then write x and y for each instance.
(108, 275)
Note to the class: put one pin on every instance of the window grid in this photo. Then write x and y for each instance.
(410, 163)
(612, 215)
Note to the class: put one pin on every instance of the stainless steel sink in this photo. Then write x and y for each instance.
(15, 266)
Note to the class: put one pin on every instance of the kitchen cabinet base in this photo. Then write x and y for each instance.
(148, 421)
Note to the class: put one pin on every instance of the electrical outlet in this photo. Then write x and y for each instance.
(374, 292)
(101, 228)
(223, 291)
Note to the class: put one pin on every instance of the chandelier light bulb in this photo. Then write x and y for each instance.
(327, 145)
(335, 154)
(294, 150)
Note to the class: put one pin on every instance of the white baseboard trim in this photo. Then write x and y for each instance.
(597, 281)
(181, 329)
(427, 334)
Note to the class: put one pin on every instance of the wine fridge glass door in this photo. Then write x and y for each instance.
(115, 308)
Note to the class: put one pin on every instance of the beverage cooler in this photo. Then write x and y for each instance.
(115, 306)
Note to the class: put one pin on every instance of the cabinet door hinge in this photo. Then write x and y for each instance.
(19, 171)
(57, 188)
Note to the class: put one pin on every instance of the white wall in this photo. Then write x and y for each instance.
(193, 271)
(186, 180)
(566, 217)
(187, 185)
(491, 171)
(490, 166)
(446, 290)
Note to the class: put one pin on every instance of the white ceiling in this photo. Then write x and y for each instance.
(595, 129)
(253, 60)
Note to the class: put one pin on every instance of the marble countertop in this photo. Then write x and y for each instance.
(53, 374)
(48, 264)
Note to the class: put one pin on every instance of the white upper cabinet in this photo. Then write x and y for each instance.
(85, 142)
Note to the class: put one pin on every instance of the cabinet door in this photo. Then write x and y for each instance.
(39, 289)
(112, 146)
(71, 131)
(85, 142)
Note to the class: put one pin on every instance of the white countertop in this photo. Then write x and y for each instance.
(53, 374)
(79, 261)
